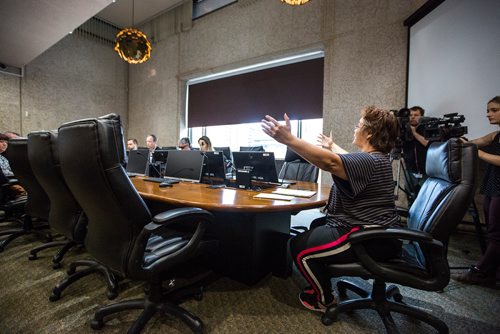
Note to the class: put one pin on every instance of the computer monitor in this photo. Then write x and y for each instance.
(262, 165)
(160, 156)
(226, 150)
(184, 165)
(214, 167)
(252, 148)
(137, 161)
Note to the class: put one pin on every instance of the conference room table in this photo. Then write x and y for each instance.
(252, 233)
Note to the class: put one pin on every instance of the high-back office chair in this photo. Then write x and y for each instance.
(66, 217)
(438, 208)
(298, 169)
(121, 232)
(37, 205)
(252, 148)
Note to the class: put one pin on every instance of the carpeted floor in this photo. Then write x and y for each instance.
(227, 306)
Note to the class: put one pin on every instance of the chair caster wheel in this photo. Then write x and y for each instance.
(32, 257)
(326, 321)
(56, 265)
(198, 297)
(96, 324)
(54, 296)
(398, 298)
(111, 294)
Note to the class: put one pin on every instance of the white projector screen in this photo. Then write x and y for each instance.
(454, 61)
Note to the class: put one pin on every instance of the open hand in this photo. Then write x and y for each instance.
(280, 132)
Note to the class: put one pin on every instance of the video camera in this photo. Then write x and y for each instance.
(441, 129)
(405, 134)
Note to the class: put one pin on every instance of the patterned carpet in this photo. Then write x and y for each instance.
(227, 306)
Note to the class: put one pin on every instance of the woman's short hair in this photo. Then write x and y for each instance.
(4, 137)
(383, 127)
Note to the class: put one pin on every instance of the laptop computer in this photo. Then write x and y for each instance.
(137, 162)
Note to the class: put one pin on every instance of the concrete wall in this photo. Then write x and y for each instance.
(76, 78)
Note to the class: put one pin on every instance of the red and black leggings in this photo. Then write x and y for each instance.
(314, 249)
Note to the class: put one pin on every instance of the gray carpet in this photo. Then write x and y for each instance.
(227, 306)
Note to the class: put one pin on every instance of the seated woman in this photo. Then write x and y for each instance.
(15, 190)
(361, 197)
(205, 144)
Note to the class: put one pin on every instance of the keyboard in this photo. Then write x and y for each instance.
(161, 179)
(131, 174)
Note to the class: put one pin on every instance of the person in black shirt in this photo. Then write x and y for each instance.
(415, 152)
(484, 272)
(361, 197)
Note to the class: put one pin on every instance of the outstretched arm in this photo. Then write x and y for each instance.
(324, 159)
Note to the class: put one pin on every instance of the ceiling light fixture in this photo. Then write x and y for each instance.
(295, 2)
(132, 45)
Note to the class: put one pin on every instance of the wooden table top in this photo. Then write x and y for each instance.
(229, 199)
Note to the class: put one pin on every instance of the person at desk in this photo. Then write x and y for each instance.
(132, 144)
(151, 141)
(205, 144)
(15, 190)
(484, 272)
(361, 197)
(184, 144)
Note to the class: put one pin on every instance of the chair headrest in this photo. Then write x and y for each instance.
(444, 160)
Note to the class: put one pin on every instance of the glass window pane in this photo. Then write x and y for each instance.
(311, 128)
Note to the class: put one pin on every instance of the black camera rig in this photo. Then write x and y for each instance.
(441, 129)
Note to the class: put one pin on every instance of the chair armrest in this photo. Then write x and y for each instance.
(389, 233)
(162, 224)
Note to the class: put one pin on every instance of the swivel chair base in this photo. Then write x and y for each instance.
(92, 267)
(56, 260)
(28, 228)
(378, 300)
(155, 301)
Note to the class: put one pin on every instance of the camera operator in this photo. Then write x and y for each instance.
(415, 151)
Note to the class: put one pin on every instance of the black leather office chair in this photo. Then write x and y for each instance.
(252, 148)
(66, 217)
(121, 233)
(298, 169)
(37, 205)
(438, 208)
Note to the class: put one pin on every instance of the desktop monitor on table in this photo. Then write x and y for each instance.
(262, 165)
(252, 148)
(137, 162)
(214, 167)
(184, 165)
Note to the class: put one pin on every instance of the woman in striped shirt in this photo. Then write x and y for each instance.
(362, 196)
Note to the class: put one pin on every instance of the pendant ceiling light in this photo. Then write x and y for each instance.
(295, 2)
(132, 45)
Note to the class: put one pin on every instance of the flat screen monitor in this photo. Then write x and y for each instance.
(184, 165)
(214, 167)
(160, 156)
(137, 161)
(252, 148)
(226, 150)
(262, 165)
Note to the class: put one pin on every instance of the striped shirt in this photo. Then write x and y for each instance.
(367, 197)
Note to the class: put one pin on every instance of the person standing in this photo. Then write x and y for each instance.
(361, 197)
(484, 272)
(415, 153)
